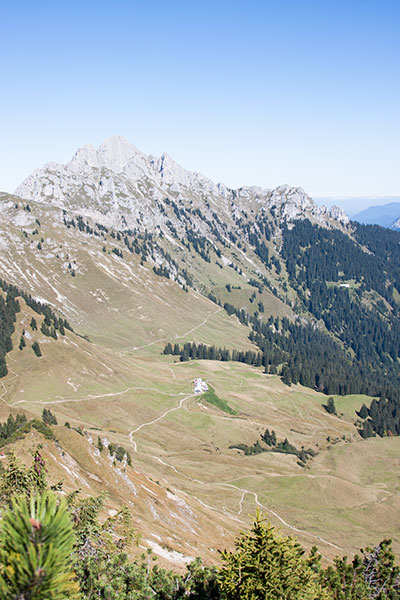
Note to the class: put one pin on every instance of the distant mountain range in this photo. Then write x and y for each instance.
(386, 215)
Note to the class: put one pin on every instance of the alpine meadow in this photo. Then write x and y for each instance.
(199, 388)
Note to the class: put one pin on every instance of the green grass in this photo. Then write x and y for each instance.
(212, 398)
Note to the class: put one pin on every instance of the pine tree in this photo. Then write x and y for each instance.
(22, 342)
(267, 566)
(48, 417)
(36, 541)
(367, 430)
(286, 376)
(168, 349)
(36, 349)
(330, 406)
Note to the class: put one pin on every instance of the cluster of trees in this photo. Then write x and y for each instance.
(382, 418)
(285, 447)
(304, 354)
(17, 427)
(9, 427)
(54, 547)
(50, 328)
(193, 351)
(115, 450)
(9, 307)
(119, 452)
(48, 417)
(317, 260)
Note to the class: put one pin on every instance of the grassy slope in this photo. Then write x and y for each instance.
(333, 498)
(347, 495)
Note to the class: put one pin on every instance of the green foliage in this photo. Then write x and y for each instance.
(268, 566)
(16, 428)
(269, 437)
(285, 447)
(372, 575)
(193, 351)
(256, 448)
(168, 349)
(119, 452)
(36, 541)
(212, 398)
(367, 430)
(22, 342)
(363, 412)
(17, 479)
(318, 262)
(9, 428)
(100, 445)
(44, 556)
(383, 417)
(9, 307)
(48, 417)
(330, 406)
(43, 429)
(36, 349)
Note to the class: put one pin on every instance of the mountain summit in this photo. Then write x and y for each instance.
(118, 177)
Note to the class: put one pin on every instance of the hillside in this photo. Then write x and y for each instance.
(137, 253)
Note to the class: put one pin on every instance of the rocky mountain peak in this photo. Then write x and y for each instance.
(84, 158)
(119, 155)
(117, 174)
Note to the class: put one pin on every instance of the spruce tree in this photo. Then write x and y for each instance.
(36, 542)
(36, 349)
(330, 406)
(363, 412)
(267, 566)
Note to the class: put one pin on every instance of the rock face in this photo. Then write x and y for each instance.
(120, 185)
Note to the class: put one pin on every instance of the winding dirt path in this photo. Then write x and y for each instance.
(176, 337)
(96, 396)
(243, 491)
(165, 413)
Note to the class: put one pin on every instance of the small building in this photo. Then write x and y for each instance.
(199, 386)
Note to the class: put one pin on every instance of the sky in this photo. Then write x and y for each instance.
(247, 92)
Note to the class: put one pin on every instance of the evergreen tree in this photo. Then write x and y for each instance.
(168, 349)
(36, 542)
(330, 406)
(373, 575)
(363, 412)
(36, 349)
(267, 566)
(286, 376)
(48, 417)
(367, 430)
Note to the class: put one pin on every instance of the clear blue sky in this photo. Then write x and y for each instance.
(247, 92)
